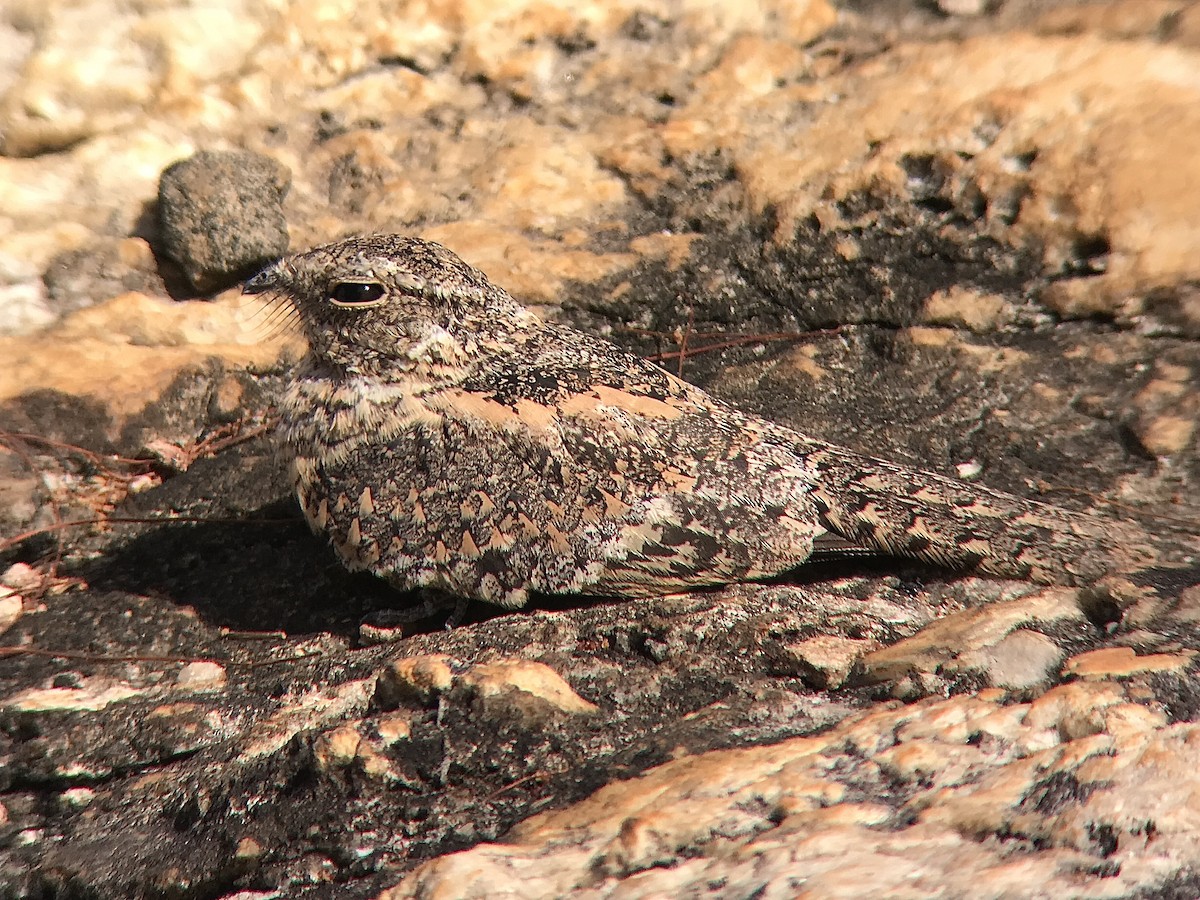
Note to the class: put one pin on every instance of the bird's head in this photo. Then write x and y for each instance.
(388, 303)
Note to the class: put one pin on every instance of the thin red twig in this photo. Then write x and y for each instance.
(98, 458)
(133, 520)
(79, 656)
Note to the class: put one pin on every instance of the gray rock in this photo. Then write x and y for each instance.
(100, 269)
(221, 215)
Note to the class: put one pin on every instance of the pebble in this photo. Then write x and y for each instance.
(221, 215)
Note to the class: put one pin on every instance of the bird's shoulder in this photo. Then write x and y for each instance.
(559, 373)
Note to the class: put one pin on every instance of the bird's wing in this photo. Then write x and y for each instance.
(659, 486)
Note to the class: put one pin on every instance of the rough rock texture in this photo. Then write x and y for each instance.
(221, 215)
(957, 234)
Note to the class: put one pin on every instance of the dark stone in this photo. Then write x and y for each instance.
(221, 215)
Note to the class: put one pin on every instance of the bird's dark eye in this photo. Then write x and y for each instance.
(356, 293)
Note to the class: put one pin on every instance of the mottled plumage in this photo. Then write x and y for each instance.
(446, 437)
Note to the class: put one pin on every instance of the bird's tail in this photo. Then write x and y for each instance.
(963, 526)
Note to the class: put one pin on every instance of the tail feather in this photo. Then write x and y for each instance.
(910, 513)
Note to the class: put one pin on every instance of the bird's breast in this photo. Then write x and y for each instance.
(327, 420)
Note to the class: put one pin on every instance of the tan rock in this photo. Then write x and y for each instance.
(969, 309)
(1123, 662)
(533, 271)
(543, 177)
(1031, 109)
(95, 694)
(201, 676)
(1022, 659)
(338, 748)
(1165, 435)
(99, 185)
(770, 817)
(96, 69)
(248, 848)
(21, 577)
(970, 639)
(419, 680)
(25, 308)
(318, 708)
(393, 728)
(824, 661)
(11, 607)
(673, 247)
(127, 350)
(353, 745)
(508, 680)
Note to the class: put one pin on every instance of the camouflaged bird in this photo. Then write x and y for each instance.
(445, 437)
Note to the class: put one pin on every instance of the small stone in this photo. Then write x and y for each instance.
(347, 746)
(221, 215)
(201, 676)
(976, 311)
(21, 577)
(965, 7)
(226, 403)
(24, 307)
(969, 470)
(141, 483)
(823, 661)
(507, 686)
(248, 848)
(1022, 659)
(394, 728)
(1168, 434)
(416, 680)
(338, 748)
(10, 608)
(77, 798)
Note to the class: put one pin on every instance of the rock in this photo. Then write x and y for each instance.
(101, 270)
(1124, 662)
(93, 695)
(77, 798)
(977, 311)
(956, 234)
(1021, 659)
(348, 746)
(966, 773)
(96, 190)
(201, 676)
(824, 661)
(21, 577)
(10, 608)
(965, 7)
(24, 308)
(420, 680)
(520, 689)
(982, 638)
(514, 689)
(221, 215)
(90, 67)
(128, 349)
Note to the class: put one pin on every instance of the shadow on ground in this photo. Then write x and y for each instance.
(264, 573)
